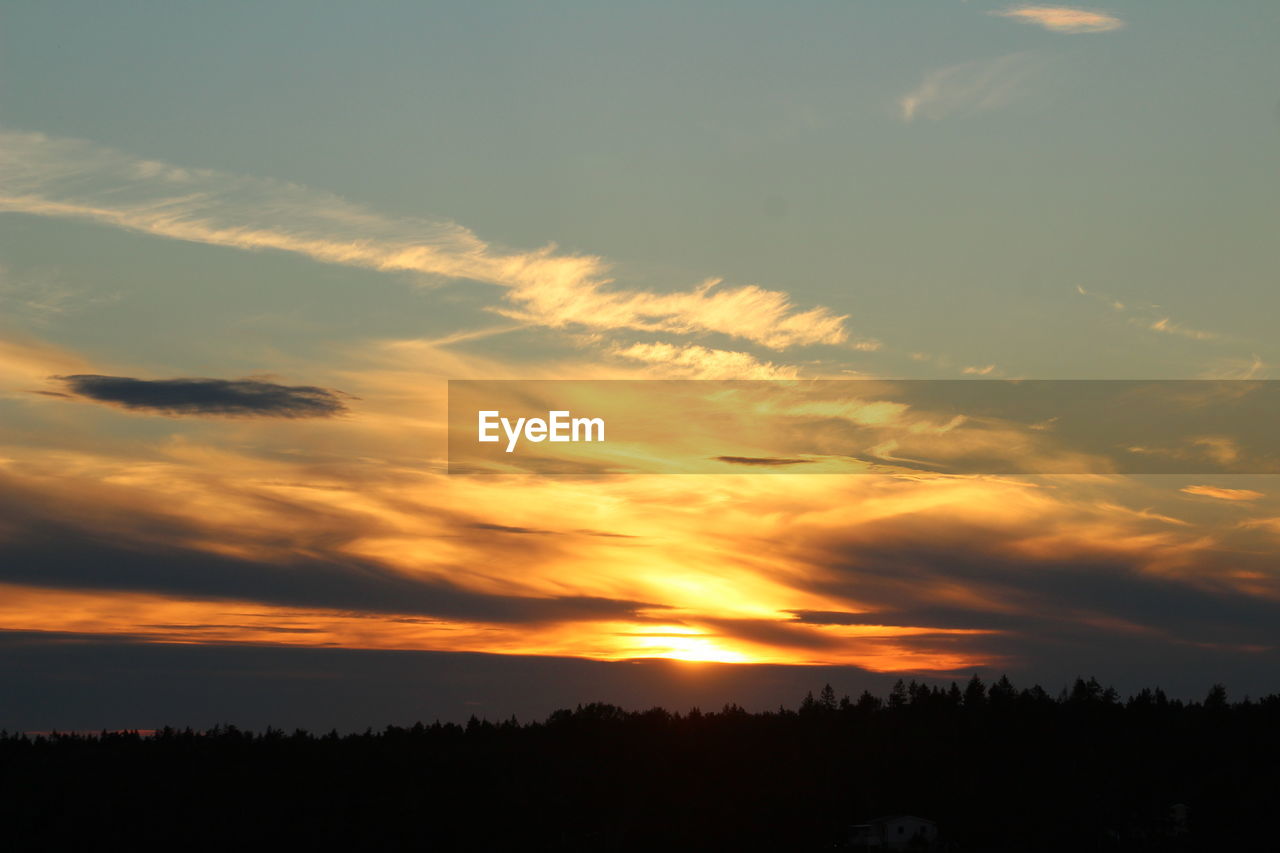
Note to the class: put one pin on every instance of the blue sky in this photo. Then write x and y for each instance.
(750, 142)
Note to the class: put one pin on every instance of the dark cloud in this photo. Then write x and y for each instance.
(194, 396)
(63, 557)
(943, 618)
(273, 629)
(900, 572)
(93, 681)
(764, 461)
(143, 552)
(775, 633)
(537, 531)
(605, 534)
(507, 528)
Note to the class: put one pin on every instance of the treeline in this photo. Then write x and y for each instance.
(996, 767)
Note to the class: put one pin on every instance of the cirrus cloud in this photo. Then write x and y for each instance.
(72, 179)
(968, 88)
(1223, 494)
(698, 362)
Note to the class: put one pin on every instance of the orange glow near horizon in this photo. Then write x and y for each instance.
(155, 619)
(693, 568)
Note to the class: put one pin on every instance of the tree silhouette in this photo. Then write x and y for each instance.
(997, 768)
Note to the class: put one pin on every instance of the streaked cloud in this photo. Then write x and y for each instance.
(72, 179)
(698, 362)
(1064, 19)
(1151, 317)
(968, 88)
(1223, 494)
(193, 396)
(1115, 304)
(1167, 326)
(1250, 367)
(762, 461)
(38, 301)
(944, 573)
(396, 555)
(26, 364)
(1271, 525)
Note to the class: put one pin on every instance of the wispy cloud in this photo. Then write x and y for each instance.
(1155, 320)
(1064, 19)
(1223, 494)
(74, 179)
(697, 362)
(397, 556)
(1251, 367)
(1169, 327)
(1115, 304)
(967, 88)
(762, 461)
(29, 362)
(39, 301)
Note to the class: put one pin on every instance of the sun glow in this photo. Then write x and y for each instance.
(679, 643)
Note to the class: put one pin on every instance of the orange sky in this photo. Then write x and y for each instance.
(346, 532)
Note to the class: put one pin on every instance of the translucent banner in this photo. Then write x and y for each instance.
(586, 427)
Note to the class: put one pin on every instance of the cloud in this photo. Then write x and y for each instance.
(1251, 367)
(1064, 19)
(762, 461)
(80, 681)
(507, 528)
(1155, 320)
(698, 362)
(65, 178)
(255, 526)
(27, 360)
(1116, 304)
(968, 88)
(69, 555)
(385, 555)
(1271, 525)
(1034, 591)
(38, 301)
(231, 397)
(1168, 327)
(1223, 494)
(939, 618)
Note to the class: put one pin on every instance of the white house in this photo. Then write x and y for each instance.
(896, 832)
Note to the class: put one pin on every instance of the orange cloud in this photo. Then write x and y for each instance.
(1223, 494)
(698, 362)
(346, 532)
(27, 363)
(1064, 19)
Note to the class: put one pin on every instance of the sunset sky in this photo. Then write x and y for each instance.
(246, 245)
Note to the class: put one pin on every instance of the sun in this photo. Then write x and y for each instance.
(681, 643)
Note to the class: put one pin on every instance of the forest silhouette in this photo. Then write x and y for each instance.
(995, 768)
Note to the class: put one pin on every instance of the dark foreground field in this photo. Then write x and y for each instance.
(996, 769)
